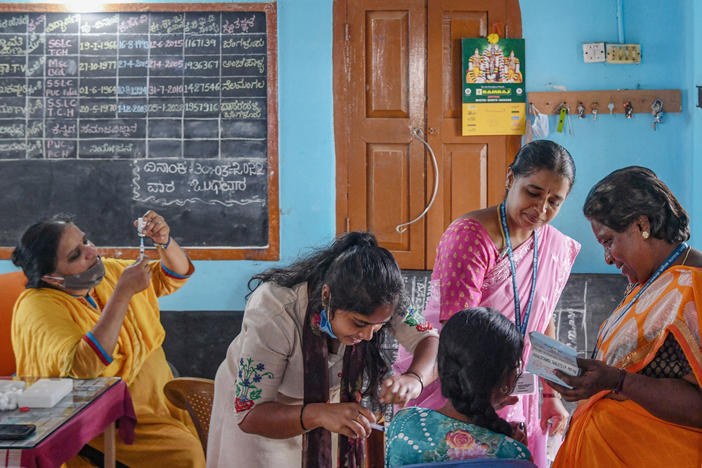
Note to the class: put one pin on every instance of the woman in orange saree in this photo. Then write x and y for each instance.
(641, 399)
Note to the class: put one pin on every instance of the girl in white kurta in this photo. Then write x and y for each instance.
(267, 398)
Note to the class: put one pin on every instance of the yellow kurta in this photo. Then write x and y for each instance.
(48, 326)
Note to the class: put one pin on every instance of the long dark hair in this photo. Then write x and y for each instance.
(544, 154)
(361, 276)
(626, 194)
(478, 348)
(37, 248)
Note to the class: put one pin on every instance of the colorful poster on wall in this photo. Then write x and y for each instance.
(494, 94)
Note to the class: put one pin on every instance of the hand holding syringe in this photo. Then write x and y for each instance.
(156, 228)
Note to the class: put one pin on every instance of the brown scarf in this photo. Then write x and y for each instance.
(316, 444)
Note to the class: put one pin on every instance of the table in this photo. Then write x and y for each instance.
(89, 410)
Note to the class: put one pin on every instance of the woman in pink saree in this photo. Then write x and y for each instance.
(509, 258)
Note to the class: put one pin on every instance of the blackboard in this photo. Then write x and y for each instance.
(588, 299)
(585, 303)
(170, 107)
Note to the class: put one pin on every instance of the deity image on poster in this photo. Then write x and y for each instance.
(494, 94)
(491, 66)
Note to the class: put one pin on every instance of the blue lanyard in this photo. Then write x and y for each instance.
(521, 326)
(610, 324)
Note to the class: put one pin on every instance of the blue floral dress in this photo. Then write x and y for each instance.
(419, 435)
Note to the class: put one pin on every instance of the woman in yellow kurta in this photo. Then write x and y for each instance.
(642, 399)
(84, 317)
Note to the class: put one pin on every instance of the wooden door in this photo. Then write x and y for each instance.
(385, 42)
(385, 176)
(471, 169)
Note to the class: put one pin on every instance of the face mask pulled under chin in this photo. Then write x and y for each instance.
(85, 280)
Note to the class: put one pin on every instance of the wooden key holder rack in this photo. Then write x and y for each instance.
(550, 102)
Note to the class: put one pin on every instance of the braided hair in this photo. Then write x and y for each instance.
(478, 348)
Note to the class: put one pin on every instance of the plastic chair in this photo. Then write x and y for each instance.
(194, 395)
(491, 462)
(11, 286)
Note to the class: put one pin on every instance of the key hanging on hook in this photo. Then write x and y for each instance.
(628, 110)
(595, 109)
(610, 106)
(581, 110)
(657, 112)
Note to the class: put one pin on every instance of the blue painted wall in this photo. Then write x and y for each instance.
(695, 18)
(554, 31)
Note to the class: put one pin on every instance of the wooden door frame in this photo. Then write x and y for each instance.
(342, 91)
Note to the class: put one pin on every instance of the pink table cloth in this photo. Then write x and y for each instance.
(114, 404)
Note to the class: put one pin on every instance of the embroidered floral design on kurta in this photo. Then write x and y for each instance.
(246, 390)
(414, 318)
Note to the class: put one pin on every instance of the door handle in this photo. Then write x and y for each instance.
(419, 135)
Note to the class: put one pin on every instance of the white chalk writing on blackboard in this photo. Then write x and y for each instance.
(222, 182)
(570, 317)
(417, 287)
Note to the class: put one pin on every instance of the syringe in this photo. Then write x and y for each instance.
(377, 427)
(140, 231)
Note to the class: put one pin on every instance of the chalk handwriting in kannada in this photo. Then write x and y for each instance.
(238, 25)
(91, 85)
(223, 182)
(62, 25)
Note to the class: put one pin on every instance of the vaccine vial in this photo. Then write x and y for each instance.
(141, 224)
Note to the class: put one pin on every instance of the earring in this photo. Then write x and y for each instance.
(645, 234)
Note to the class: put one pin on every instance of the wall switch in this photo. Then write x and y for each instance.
(623, 53)
(594, 52)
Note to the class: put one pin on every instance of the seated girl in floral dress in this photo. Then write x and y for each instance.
(479, 364)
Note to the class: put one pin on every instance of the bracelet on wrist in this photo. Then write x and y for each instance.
(551, 395)
(620, 382)
(302, 424)
(421, 383)
(164, 246)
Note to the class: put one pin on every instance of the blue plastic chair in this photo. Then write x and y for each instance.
(491, 462)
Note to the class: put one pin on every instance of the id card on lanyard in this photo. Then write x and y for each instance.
(526, 384)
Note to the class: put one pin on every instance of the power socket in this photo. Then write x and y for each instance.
(594, 52)
(623, 53)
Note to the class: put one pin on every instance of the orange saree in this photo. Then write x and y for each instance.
(608, 433)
